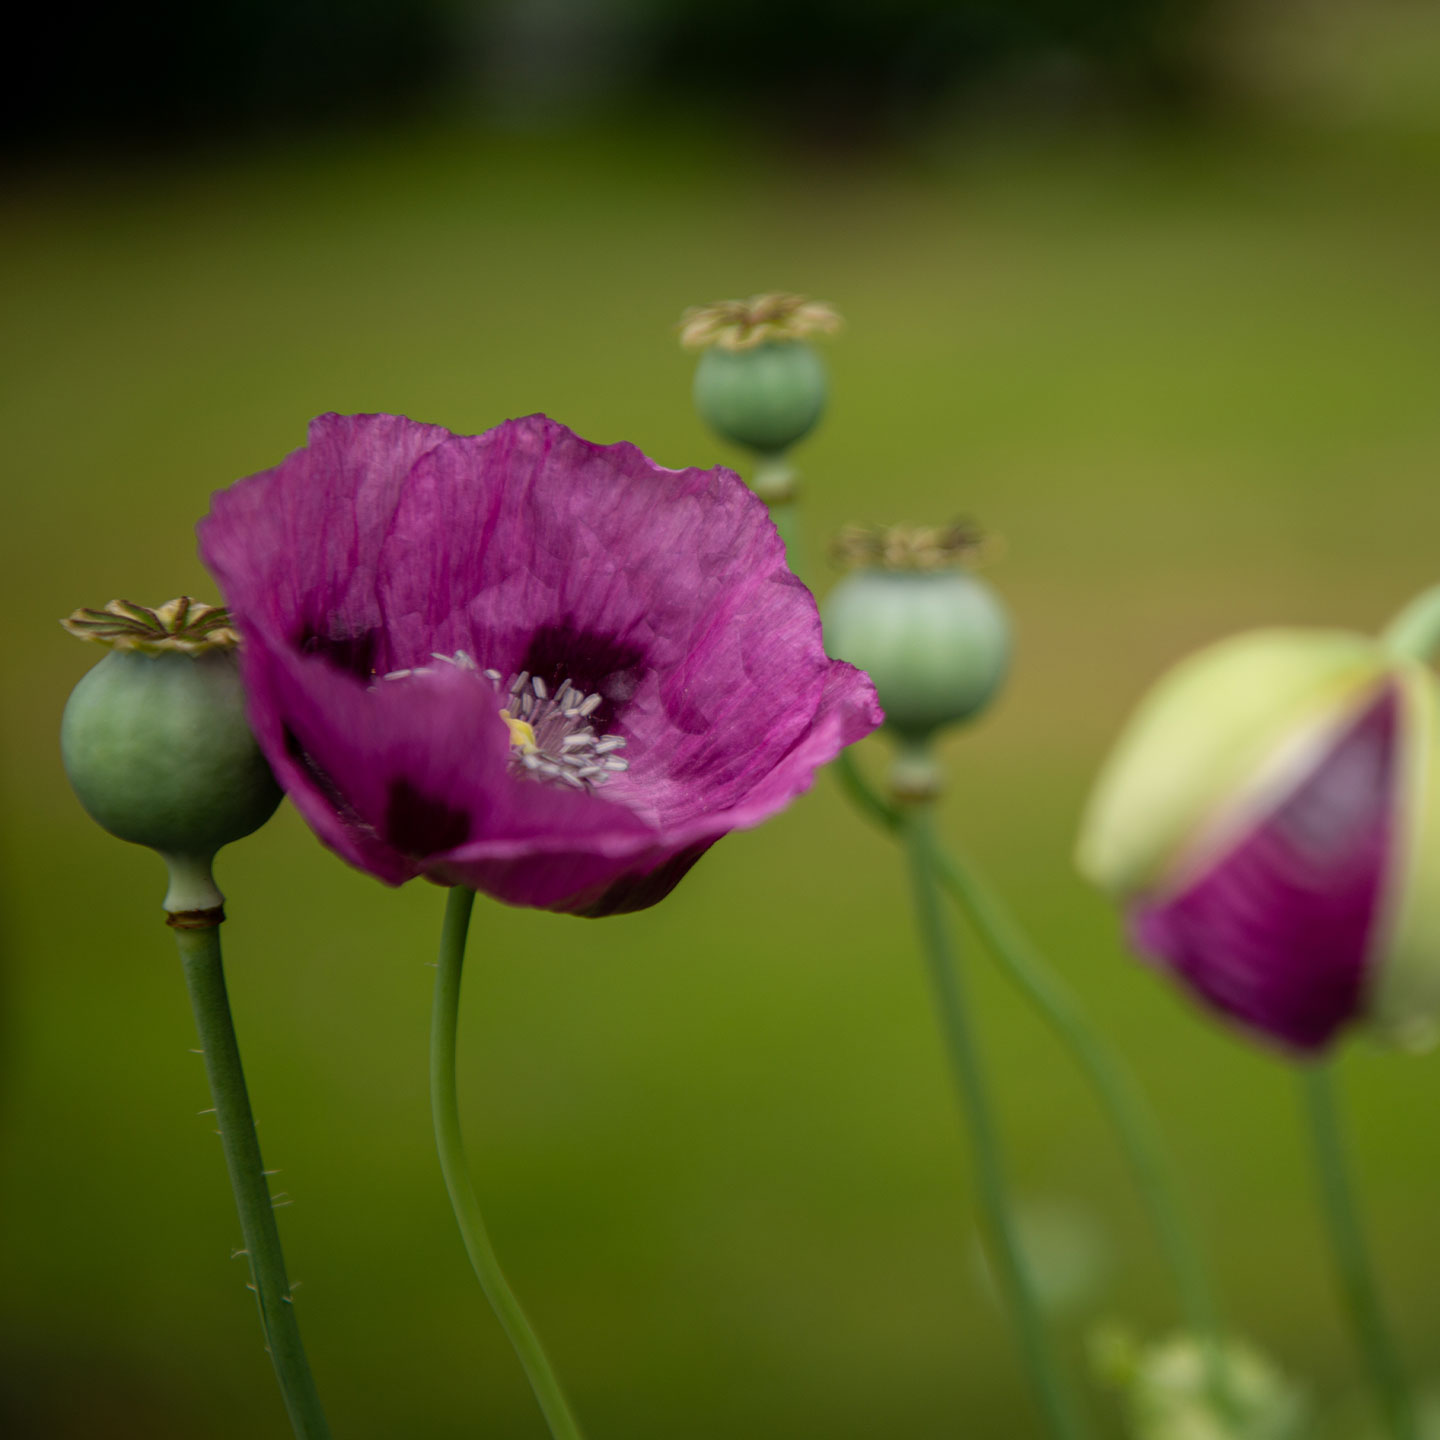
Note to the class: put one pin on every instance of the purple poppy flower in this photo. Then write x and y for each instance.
(1271, 821)
(549, 670)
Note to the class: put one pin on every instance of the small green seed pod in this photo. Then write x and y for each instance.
(155, 741)
(766, 398)
(934, 638)
(759, 383)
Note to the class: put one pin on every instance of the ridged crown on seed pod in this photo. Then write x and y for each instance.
(182, 626)
(746, 324)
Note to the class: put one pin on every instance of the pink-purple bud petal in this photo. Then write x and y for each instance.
(1280, 930)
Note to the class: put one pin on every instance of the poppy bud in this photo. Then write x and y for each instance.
(933, 637)
(155, 741)
(759, 383)
(1270, 819)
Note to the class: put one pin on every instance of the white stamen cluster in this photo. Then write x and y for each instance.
(551, 737)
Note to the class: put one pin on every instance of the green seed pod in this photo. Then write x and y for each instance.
(934, 638)
(759, 383)
(155, 742)
(766, 398)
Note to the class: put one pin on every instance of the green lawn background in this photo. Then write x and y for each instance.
(1193, 388)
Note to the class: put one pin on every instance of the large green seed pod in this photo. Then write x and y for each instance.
(933, 637)
(155, 741)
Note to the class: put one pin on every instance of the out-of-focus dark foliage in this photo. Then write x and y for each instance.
(168, 73)
(856, 70)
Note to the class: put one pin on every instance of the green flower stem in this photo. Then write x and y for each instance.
(444, 1102)
(1115, 1086)
(782, 512)
(205, 980)
(863, 795)
(775, 482)
(1003, 1244)
(1415, 631)
(1352, 1260)
(774, 479)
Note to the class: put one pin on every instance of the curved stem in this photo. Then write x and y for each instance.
(862, 795)
(1117, 1089)
(1415, 631)
(205, 980)
(444, 1102)
(1352, 1260)
(1118, 1092)
(1003, 1243)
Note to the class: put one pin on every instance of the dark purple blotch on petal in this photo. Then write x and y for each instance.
(331, 792)
(354, 654)
(1279, 932)
(420, 825)
(591, 660)
(639, 891)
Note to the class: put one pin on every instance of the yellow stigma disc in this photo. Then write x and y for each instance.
(522, 737)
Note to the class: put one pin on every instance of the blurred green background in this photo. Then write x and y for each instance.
(1182, 358)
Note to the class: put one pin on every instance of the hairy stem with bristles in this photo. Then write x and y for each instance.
(205, 980)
